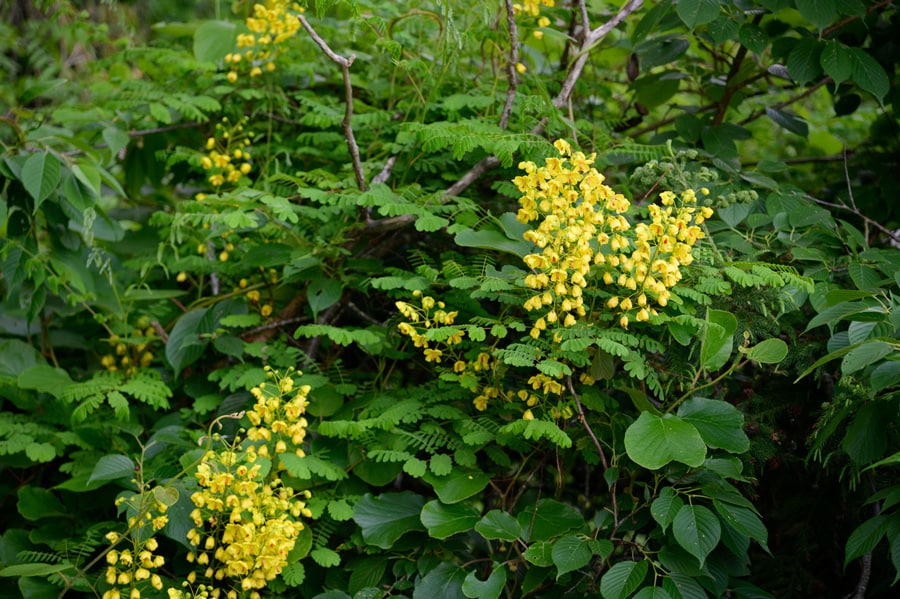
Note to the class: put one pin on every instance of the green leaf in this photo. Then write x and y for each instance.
(867, 353)
(697, 530)
(769, 351)
(443, 520)
(885, 375)
(652, 593)
(820, 13)
(803, 62)
(213, 40)
(444, 581)
(653, 441)
(325, 557)
(548, 518)
(622, 579)
(112, 467)
(386, 518)
(457, 485)
(540, 554)
(697, 12)
(744, 521)
(753, 38)
(497, 524)
(865, 537)
(836, 60)
(322, 294)
(788, 121)
(36, 503)
(868, 74)
(719, 423)
(715, 349)
(41, 174)
(572, 552)
(488, 589)
(46, 379)
(293, 574)
(38, 569)
(492, 239)
(665, 507)
(184, 345)
(441, 464)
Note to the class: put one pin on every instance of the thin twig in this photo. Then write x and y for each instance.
(874, 223)
(808, 92)
(511, 66)
(344, 62)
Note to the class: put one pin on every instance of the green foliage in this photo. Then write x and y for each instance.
(178, 219)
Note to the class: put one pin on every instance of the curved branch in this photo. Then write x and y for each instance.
(344, 62)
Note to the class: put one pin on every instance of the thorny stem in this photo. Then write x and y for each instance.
(344, 62)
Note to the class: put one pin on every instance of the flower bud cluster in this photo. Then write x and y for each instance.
(227, 159)
(246, 520)
(131, 572)
(131, 352)
(272, 24)
(430, 313)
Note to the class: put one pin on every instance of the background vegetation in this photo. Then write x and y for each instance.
(304, 300)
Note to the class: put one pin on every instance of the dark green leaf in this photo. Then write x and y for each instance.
(458, 485)
(36, 503)
(719, 423)
(868, 74)
(788, 121)
(836, 61)
(717, 344)
(820, 13)
(865, 537)
(386, 518)
(743, 521)
(41, 174)
(697, 12)
(803, 62)
(548, 518)
(754, 38)
(571, 552)
(622, 579)
(488, 589)
(112, 467)
(697, 530)
(443, 520)
(665, 507)
(322, 294)
(653, 441)
(499, 525)
(444, 581)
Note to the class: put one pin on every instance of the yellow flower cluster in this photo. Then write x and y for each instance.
(661, 248)
(576, 210)
(131, 571)
(432, 313)
(582, 225)
(271, 25)
(246, 520)
(132, 352)
(532, 7)
(228, 158)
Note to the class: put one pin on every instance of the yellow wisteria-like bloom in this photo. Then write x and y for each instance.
(272, 24)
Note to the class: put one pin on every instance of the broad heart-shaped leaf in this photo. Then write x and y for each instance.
(622, 579)
(487, 589)
(820, 13)
(323, 293)
(493, 239)
(386, 518)
(719, 423)
(717, 339)
(697, 530)
(458, 485)
(836, 60)
(112, 467)
(548, 518)
(213, 40)
(444, 581)
(868, 74)
(697, 12)
(768, 351)
(744, 521)
(36, 503)
(653, 441)
(443, 520)
(497, 524)
(572, 552)
(41, 174)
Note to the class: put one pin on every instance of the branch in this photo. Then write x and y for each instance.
(344, 62)
(732, 73)
(853, 210)
(511, 66)
(808, 92)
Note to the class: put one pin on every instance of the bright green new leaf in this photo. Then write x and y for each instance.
(719, 423)
(45, 378)
(697, 530)
(443, 520)
(36, 569)
(653, 441)
(768, 351)
(213, 40)
(386, 518)
(41, 174)
(622, 579)
(715, 349)
(322, 294)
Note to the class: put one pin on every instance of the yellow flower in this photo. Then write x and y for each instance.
(521, 68)
(266, 310)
